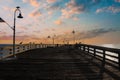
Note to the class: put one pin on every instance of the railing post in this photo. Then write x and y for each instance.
(83, 48)
(79, 46)
(88, 49)
(1, 53)
(103, 61)
(103, 64)
(94, 52)
(119, 60)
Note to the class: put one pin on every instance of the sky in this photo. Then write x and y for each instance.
(94, 21)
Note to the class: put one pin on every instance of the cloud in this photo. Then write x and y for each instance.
(58, 22)
(72, 8)
(34, 3)
(100, 10)
(75, 7)
(113, 9)
(8, 8)
(85, 34)
(36, 13)
(3, 33)
(22, 28)
(50, 12)
(19, 37)
(51, 1)
(96, 1)
(6, 37)
(37, 31)
(117, 0)
(53, 29)
(57, 5)
(94, 33)
(75, 18)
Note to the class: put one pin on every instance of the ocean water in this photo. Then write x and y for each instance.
(117, 46)
(111, 45)
(3, 45)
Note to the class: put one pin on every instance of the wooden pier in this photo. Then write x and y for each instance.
(66, 62)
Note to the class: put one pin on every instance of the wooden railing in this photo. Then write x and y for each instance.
(107, 59)
(8, 50)
(109, 56)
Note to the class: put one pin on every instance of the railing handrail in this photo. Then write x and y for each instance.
(116, 50)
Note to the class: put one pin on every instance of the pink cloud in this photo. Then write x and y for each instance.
(6, 37)
(53, 29)
(51, 1)
(21, 27)
(50, 12)
(71, 9)
(38, 31)
(2, 33)
(58, 22)
(47, 29)
(75, 18)
(35, 14)
(65, 13)
(8, 8)
(117, 0)
(34, 3)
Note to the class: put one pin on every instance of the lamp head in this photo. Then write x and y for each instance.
(73, 31)
(17, 7)
(48, 36)
(20, 16)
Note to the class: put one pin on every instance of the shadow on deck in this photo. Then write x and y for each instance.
(54, 64)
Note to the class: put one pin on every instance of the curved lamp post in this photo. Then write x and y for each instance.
(49, 37)
(73, 32)
(19, 16)
(14, 26)
(53, 38)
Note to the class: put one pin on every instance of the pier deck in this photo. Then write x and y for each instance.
(60, 63)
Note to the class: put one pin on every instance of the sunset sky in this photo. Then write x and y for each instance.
(94, 21)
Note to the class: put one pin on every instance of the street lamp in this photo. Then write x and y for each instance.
(19, 16)
(53, 38)
(48, 37)
(73, 32)
(14, 26)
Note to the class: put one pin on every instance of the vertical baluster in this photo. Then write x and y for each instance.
(94, 52)
(1, 53)
(103, 58)
(88, 49)
(103, 65)
(119, 60)
(80, 47)
(84, 48)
